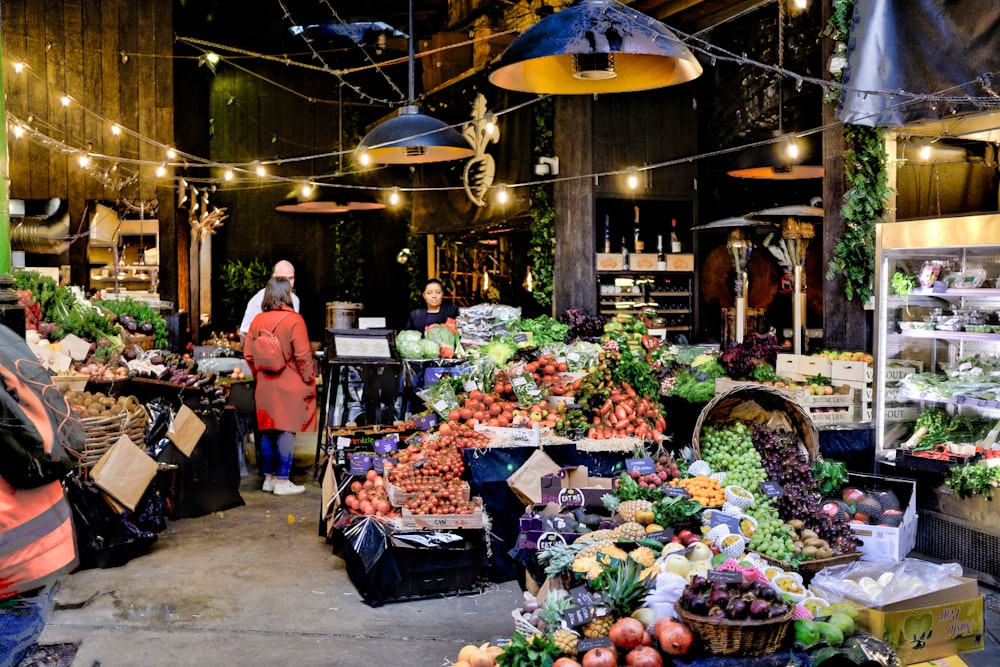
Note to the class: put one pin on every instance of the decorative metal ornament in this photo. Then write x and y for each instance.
(481, 169)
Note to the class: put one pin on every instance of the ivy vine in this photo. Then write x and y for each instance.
(543, 212)
(865, 200)
(344, 277)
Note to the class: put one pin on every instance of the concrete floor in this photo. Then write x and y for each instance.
(255, 585)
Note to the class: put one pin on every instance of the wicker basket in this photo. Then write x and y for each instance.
(808, 568)
(719, 409)
(103, 432)
(743, 638)
(144, 342)
(522, 625)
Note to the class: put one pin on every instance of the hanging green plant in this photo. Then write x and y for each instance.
(344, 278)
(543, 212)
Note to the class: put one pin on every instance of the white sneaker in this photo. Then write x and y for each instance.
(268, 485)
(285, 487)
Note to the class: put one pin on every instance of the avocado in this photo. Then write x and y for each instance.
(831, 634)
(806, 632)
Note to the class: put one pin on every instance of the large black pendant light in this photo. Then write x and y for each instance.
(411, 137)
(595, 46)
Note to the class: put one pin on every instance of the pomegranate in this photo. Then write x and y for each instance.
(600, 657)
(644, 656)
(675, 638)
(565, 662)
(626, 633)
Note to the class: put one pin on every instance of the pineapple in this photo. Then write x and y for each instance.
(592, 548)
(597, 536)
(584, 564)
(644, 556)
(630, 531)
(628, 508)
(599, 627)
(623, 587)
(566, 640)
(610, 554)
(556, 604)
(594, 572)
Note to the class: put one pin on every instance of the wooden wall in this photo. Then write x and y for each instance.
(114, 58)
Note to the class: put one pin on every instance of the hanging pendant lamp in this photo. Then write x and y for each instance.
(595, 46)
(412, 137)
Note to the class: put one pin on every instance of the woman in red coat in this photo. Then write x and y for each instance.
(285, 399)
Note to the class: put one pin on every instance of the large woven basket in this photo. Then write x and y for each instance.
(808, 568)
(103, 432)
(719, 411)
(744, 638)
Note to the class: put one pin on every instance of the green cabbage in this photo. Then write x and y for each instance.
(410, 348)
(429, 349)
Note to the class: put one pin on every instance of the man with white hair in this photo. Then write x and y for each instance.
(282, 269)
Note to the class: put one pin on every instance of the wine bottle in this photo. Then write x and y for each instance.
(624, 255)
(675, 243)
(661, 260)
(607, 233)
(637, 245)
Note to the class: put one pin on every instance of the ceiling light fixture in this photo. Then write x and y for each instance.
(412, 137)
(595, 46)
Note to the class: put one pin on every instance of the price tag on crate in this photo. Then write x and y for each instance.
(770, 488)
(581, 596)
(664, 535)
(719, 519)
(577, 616)
(644, 466)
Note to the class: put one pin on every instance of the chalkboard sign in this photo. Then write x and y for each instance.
(939, 287)
(584, 644)
(718, 518)
(770, 488)
(682, 552)
(521, 338)
(581, 596)
(728, 576)
(645, 466)
(500, 641)
(664, 535)
(577, 616)
(675, 491)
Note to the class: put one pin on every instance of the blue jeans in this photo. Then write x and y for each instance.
(276, 451)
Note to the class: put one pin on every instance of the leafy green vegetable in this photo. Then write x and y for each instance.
(629, 489)
(544, 329)
(697, 385)
(903, 285)
(831, 476)
(500, 351)
(141, 312)
(764, 373)
(638, 374)
(971, 480)
(671, 510)
(537, 651)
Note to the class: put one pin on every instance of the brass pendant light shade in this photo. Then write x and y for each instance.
(411, 137)
(595, 46)
(773, 161)
(414, 138)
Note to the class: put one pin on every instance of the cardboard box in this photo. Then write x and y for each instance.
(680, 261)
(426, 422)
(882, 543)
(935, 625)
(573, 487)
(609, 261)
(124, 472)
(524, 482)
(537, 533)
(410, 521)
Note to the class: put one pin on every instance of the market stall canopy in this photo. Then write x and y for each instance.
(939, 54)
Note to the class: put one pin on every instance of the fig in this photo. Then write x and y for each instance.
(146, 328)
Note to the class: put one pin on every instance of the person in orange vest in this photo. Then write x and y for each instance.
(37, 540)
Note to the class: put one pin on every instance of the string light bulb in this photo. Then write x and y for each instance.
(261, 171)
(116, 129)
(18, 131)
(791, 148)
(65, 100)
(363, 158)
(306, 189)
(394, 197)
(228, 175)
(486, 281)
(632, 178)
(924, 153)
(212, 58)
(491, 125)
(501, 195)
(171, 153)
(18, 66)
(83, 160)
(161, 171)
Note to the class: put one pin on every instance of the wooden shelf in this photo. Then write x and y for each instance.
(670, 294)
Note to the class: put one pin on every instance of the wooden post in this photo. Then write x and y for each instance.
(11, 314)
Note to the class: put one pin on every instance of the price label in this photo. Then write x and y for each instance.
(770, 488)
(521, 338)
(645, 466)
(584, 644)
(518, 381)
(728, 576)
(675, 491)
(577, 616)
(581, 596)
(343, 443)
(470, 386)
(441, 406)
(718, 519)
(501, 641)
(939, 287)
(573, 356)
(664, 535)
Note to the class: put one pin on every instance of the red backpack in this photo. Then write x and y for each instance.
(265, 349)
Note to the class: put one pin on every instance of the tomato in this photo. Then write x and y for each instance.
(454, 415)
(476, 395)
(465, 414)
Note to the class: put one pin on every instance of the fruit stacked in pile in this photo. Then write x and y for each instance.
(431, 476)
(725, 601)
(875, 508)
(704, 489)
(370, 497)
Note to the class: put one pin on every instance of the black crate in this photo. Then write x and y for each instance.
(905, 459)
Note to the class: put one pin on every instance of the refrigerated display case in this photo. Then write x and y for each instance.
(937, 346)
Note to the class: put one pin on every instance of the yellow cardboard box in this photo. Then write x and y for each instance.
(936, 625)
